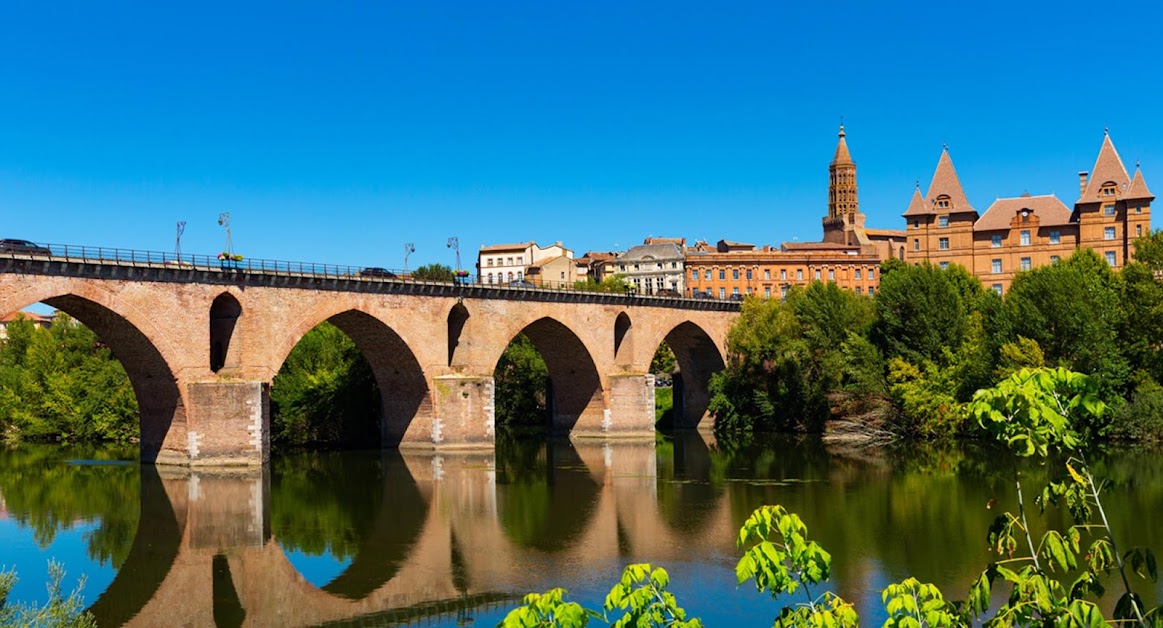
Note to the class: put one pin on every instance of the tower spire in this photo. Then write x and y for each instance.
(842, 199)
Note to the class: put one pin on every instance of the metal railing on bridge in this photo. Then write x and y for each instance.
(239, 264)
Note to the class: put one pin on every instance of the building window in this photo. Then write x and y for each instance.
(1138, 230)
(1138, 209)
(735, 274)
(871, 291)
(1108, 233)
(735, 290)
(722, 293)
(510, 276)
(942, 221)
(748, 274)
(995, 241)
(944, 265)
(916, 244)
(1108, 210)
(1025, 263)
(1025, 241)
(799, 274)
(1055, 237)
(997, 288)
(857, 273)
(622, 267)
(520, 260)
(916, 223)
(783, 292)
(817, 274)
(1054, 259)
(707, 274)
(695, 275)
(635, 266)
(871, 275)
(722, 274)
(943, 244)
(995, 266)
(490, 277)
(1108, 191)
(767, 292)
(708, 292)
(859, 290)
(831, 274)
(510, 262)
(489, 262)
(767, 274)
(1110, 258)
(520, 276)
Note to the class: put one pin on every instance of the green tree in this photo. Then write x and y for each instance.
(63, 383)
(1149, 250)
(434, 272)
(1074, 311)
(325, 393)
(663, 360)
(920, 313)
(520, 379)
(614, 284)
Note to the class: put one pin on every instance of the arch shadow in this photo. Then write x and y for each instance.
(622, 326)
(403, 387)
(384, 514)
(150, 559)
(159, 398)
(575, 387)
(457, 318)
(224, 314)
(698, 359)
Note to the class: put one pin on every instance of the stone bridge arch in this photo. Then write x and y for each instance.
(142, 348)
(406, 409)
(698, 355)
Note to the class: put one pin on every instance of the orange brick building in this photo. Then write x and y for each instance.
(1020, 233)
(849, 255)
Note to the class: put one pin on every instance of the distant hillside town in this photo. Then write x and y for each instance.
(941, 227)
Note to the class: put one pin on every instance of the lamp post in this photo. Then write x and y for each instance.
(409, 249)
(178, 241)
(224, 221)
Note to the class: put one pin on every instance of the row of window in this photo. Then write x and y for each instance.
(1108, 233)
(501, 261)
(660, 266)
(857, 274)
(766, 292)
(500, 277)
(943, 221)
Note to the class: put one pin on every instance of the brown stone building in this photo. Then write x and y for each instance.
(1020, 233)
(849, 255)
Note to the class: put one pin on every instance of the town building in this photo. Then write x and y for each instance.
(654, 267)
(849, 253)
(1024, 232)
(504, 263)
(592, 265)
(558, 272)
(39, 320)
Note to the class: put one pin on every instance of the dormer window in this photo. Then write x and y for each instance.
(1108, 188)
(942, 202)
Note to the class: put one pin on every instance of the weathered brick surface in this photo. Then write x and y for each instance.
(158, 323)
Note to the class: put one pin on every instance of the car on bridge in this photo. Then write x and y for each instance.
(376, 271)
(10, 245)
(521, 283)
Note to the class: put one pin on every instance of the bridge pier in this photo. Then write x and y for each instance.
(464, 415)
(229, 424)
(629, 411)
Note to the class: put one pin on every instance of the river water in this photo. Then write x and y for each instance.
(395, 538)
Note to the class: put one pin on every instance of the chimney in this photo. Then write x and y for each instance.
(1082, 183)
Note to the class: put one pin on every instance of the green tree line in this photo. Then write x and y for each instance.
(910, 359)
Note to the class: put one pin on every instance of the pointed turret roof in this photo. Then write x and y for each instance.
(842, 155)
(1138, 187)
(1108, 167)
(946, 183)
(917, 206)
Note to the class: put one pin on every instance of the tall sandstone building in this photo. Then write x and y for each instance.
(1020, 233)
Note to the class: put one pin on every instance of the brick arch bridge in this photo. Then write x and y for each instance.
(202, 344)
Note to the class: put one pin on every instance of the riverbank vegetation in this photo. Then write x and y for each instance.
(910, 359)
(1056, 580)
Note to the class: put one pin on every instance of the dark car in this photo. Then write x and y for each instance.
(735, 297)
(701, 295)
(665, 292)
(23, 246)
(521, 283)
(376, 271)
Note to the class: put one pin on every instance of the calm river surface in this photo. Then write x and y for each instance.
(388, 538)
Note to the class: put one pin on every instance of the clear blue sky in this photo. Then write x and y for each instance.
(338, 131)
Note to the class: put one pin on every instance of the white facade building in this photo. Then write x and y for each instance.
(505, 263)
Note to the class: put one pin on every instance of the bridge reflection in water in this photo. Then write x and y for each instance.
(424, 533)
(446, 536)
